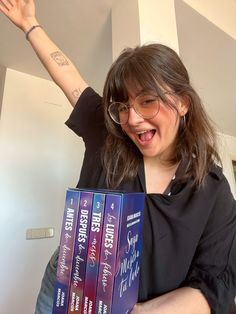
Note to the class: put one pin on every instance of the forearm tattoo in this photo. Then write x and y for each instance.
(59, 58)
(76, 93)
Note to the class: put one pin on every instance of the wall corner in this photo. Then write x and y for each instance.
(3, 71)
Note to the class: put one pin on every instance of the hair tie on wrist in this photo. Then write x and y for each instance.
(30, 30)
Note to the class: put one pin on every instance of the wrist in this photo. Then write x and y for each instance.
(28, 24)
(31, 29)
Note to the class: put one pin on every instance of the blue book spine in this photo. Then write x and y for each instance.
(63, 276)
(125, 292)
(94, 247)
(107, 265)
(80, 252)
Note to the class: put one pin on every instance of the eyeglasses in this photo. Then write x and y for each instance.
(145, 105)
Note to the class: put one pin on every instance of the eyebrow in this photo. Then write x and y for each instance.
(148, 92)
(142, 91)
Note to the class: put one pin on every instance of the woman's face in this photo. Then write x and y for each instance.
(155, 137)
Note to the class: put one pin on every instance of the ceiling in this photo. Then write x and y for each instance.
(82, 29)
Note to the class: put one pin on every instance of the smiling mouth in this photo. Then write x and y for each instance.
(146, 136)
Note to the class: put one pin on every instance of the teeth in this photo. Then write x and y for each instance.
(141, 132)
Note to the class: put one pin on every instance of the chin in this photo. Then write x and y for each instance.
(149, 154)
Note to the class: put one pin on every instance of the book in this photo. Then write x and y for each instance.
(118, 278)
(64, 268)
(80, 252)
(94, 246)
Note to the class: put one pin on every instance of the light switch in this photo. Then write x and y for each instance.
(39, 233)
(49, 232)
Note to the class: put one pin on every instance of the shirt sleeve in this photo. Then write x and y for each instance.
(213, 269)
(87, 118)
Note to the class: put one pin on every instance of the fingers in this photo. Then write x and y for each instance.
(5, 6)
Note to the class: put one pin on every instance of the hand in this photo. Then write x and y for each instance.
(183, 300)
(19, 12)
(137, 309)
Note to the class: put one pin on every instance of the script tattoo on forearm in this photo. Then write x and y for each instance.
(59, 58)
(76, 93)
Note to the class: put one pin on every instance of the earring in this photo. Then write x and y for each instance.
(123, 131)
(183, 122)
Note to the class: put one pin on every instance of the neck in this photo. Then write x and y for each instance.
(160, 164)
(158, 174)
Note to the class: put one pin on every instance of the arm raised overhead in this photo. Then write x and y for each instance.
(59, 67)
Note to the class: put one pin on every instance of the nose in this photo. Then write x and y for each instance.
(134, 118)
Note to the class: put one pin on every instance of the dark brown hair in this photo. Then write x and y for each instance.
(156, 67)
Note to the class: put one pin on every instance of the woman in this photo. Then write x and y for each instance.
(150, 133)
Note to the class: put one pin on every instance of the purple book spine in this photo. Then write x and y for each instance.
(125, 292)
(93, 257)
(80, 252)
(113, 205)
(63, 276)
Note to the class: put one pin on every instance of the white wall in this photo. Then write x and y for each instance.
(158, 22)
(40, 157)
(125, 26)
(2, 82)
(221, 13)
(227, 148)
(137, 22)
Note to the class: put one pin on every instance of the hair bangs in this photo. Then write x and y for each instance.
(139, 76)
(134, 75)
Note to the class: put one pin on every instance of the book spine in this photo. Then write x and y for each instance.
(125, 292)
(113, 205)
(93, 257)
(80, 253)
(63, 276)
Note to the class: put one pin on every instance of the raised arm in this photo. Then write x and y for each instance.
(60, 68)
